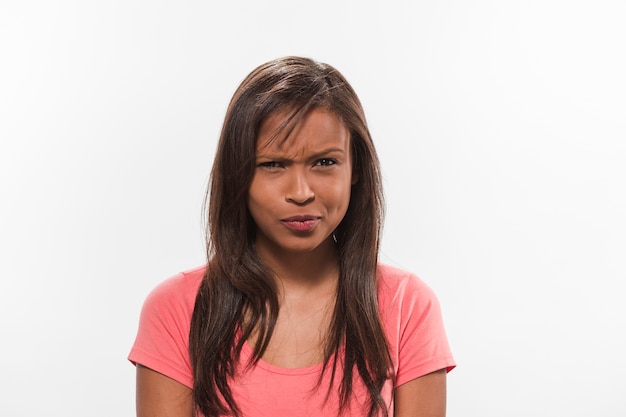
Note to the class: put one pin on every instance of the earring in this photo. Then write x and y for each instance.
(334, 237)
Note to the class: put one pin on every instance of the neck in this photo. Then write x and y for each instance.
(302, 272)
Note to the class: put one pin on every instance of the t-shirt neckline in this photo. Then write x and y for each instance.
(246, 354)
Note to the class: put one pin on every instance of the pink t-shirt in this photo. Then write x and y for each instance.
(411, 318)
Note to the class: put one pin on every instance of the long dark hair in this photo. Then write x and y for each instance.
(238, 285)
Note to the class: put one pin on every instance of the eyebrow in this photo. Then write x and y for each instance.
(313, 156)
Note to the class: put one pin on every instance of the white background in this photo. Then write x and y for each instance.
(501, 129)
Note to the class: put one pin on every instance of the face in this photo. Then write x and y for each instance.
(300, 190)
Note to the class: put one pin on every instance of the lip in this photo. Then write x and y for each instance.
(304, 223)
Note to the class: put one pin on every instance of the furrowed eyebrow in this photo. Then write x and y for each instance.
(326, 152)
(320, 154)
(271, 157)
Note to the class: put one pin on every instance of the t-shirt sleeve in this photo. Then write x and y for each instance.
(162, 342)
(422, 342)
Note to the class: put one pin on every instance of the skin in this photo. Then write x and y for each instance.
(309, 174)
(160, 396)
(422, 397)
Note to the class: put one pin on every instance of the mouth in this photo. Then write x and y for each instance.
(301, 223)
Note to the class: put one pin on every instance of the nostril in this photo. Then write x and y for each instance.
(300, 199)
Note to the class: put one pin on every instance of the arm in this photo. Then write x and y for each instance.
(161, 396)
(422, 397)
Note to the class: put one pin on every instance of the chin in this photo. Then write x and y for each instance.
(303, 246)
(300, 248)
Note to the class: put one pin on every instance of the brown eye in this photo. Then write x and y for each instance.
(326, 162)
(270, 164)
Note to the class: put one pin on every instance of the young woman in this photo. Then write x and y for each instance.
(293, 315)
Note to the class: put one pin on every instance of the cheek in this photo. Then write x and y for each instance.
(254, 201)
(338, 195)
(261, 200)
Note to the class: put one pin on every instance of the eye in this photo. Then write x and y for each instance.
(326, 162)
(270, 165)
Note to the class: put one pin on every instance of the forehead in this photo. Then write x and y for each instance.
(316, 130)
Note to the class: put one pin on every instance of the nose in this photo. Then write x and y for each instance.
(299, 190)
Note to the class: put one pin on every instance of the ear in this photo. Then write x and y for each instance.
(355, 178)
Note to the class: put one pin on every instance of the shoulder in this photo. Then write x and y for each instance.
(397, 286)
(170, 304)
(162, 337)
(179, 288)
(411, 315)
(403, 297)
